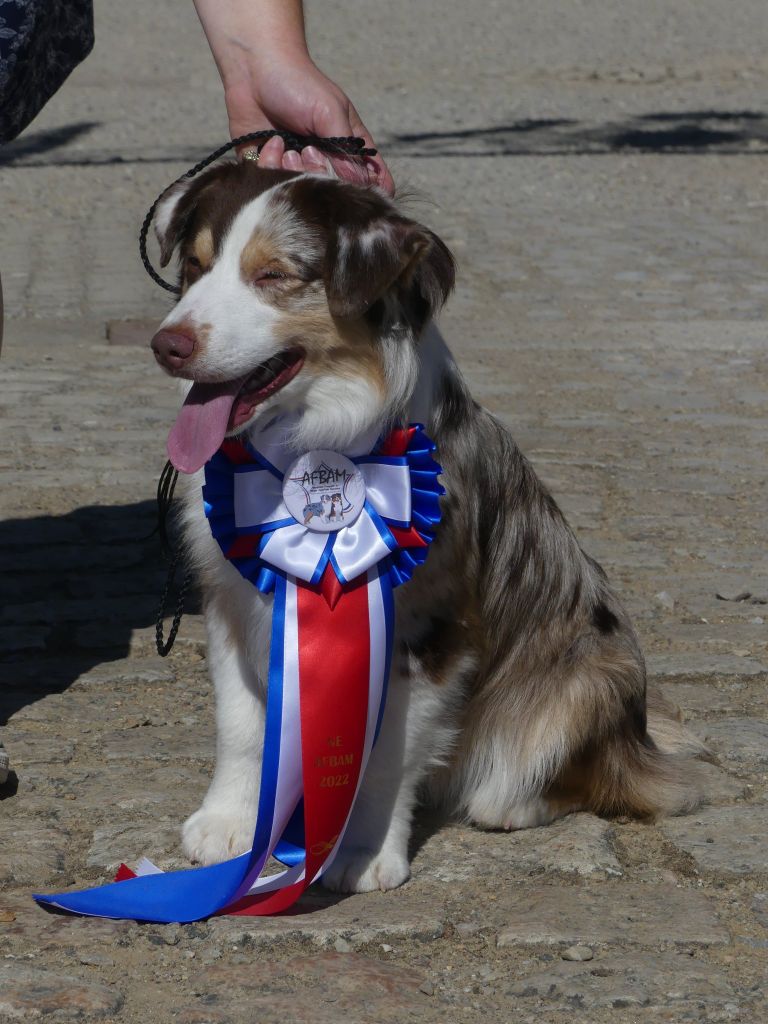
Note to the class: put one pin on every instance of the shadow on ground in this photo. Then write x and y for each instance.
(74, 589)
(36, 144)
(688, 132)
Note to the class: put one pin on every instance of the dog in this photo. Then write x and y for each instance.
(321, 509)
(337, 508)
(517, 692)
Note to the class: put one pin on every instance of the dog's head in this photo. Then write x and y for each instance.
(300, 294)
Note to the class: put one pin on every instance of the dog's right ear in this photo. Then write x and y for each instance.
(171, 215)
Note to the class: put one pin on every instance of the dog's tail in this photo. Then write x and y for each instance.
(653, 775)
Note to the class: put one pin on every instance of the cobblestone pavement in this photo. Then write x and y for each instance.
(603, 187)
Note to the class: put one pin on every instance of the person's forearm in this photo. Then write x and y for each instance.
(243, 32)
(271, 82)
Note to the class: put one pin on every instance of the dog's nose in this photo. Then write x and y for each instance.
(173, 348)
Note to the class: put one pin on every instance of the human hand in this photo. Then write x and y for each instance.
(270, 81)
(296, 96)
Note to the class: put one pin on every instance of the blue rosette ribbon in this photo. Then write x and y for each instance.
(243, 500)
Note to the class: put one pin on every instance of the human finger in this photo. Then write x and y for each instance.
(315, 162)
(351, 169)
(379, 172)
(369, 170)
(376, 169)
(292, 161)
(271, 154)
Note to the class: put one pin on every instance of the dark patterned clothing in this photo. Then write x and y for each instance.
(41, 41)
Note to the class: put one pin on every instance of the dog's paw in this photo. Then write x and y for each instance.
(357, 870)
(526, 814)
(209, 836)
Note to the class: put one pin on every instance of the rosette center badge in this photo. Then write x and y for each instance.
(324, 491)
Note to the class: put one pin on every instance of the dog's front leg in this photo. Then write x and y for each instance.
(223, 826)
(374, 851)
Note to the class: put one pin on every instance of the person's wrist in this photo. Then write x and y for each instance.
(257, 66)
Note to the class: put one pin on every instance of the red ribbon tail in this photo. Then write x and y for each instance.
(334, 678)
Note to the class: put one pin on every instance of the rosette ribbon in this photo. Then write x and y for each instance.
(330, 652)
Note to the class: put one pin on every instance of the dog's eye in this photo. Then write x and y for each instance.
(262, 277)
(194, 262)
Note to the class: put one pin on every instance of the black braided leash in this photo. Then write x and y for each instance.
(342, 145)
(166, 485)
(164, 647)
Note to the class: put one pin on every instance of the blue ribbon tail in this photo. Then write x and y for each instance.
(198, 893)
(181, 896)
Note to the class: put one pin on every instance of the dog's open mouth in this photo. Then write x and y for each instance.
(265, 381)
(211, 411)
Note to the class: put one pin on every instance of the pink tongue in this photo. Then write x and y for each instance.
(201, 424)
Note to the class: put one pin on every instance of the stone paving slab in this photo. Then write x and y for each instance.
(35, 856)
(26, 992)
(635, 914)
(316, 987)
(643, 981)
(721, 787)
(579, 845)
(355, 921)
(699, 698)
(737, 741)
(700, 665)
(731, 840)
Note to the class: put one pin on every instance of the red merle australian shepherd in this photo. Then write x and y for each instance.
(518, 689)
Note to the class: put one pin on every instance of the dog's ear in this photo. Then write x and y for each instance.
(367, 258)
(171, 215)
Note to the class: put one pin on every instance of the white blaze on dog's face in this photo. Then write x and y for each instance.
(299, 294)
